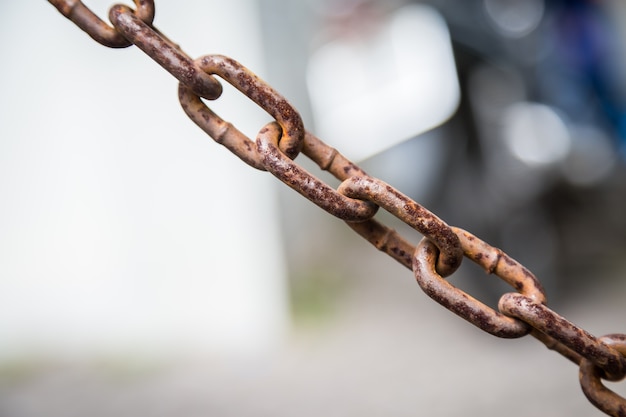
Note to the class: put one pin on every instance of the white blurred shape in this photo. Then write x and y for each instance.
(592, 157)
(535, 133)
(515, 18)
(373, 92)
(123, 227)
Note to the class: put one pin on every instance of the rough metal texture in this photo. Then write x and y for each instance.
(359, 196)
(590, 380)
(492, 260)
(164, 52)
(306, 184)
(263, 95)
(101, 32)
(428, 224)
(540, 317)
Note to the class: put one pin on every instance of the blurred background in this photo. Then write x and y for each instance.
(146, 271)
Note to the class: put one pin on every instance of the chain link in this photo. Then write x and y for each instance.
(590, 380)
(101, 32)
(309, 186)
(244, 80)
(358, 198)
(492, 260)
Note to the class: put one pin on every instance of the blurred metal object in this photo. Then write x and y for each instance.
(357, 200)
(590, 380)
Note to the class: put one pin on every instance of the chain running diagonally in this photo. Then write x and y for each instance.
(358, 198)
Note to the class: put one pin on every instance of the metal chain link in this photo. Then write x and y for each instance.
(358, 198)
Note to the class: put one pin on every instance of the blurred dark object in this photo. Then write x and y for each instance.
(533, 159)
(536, 162)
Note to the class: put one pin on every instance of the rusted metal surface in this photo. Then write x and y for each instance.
(221, 131)
(292, 135)
(95, 27)
(495, 261)
(244, 80)
(540, 317)
(553, 344)
(492, 260)
(591, 375)
(329, 159)
(305, 183)
(427, 223)
(358, 198)
(167, 54)
(386, 240)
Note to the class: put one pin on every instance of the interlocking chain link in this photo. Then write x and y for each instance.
(358, 198)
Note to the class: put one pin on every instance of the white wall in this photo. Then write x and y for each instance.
(123, 228)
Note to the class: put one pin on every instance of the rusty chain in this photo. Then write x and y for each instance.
(358, 198)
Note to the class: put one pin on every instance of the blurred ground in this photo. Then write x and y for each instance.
(377, 347)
